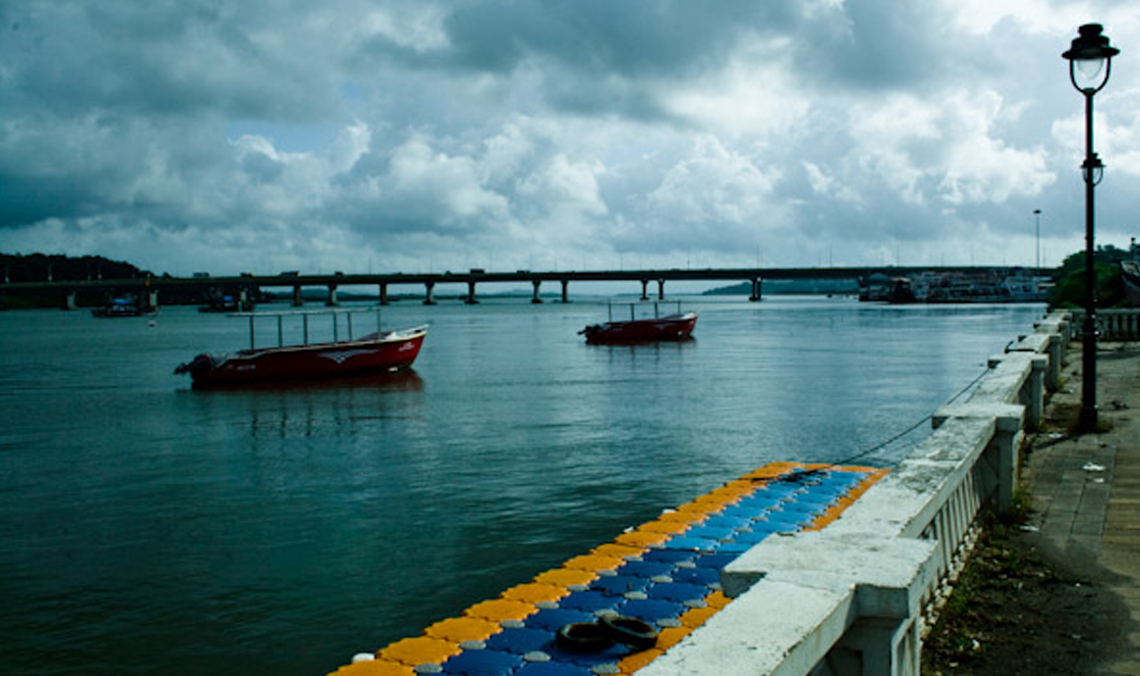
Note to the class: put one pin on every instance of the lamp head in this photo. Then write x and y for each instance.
(1090, 59)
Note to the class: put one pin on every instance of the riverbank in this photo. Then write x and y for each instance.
(1056, 588)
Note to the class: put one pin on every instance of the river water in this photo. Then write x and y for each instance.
(145, 527)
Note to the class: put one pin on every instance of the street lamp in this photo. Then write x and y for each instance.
(1090, 64)
(1037, 231)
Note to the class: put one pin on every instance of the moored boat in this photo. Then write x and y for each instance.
(375, 353)
(123, 307)
(672, 327)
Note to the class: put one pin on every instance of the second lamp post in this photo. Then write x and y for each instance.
(1090, 64)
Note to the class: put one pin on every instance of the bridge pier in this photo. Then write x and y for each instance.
(756, 284)
(429, 299)
(69, 301)
(298, 300)
(660, 289)
(536, 299)
(150, 296)
(565, 290)
(383, 293)
(645, 289)
(332, 301)
(471, 299)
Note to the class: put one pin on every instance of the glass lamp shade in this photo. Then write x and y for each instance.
(1087, 73)
(1090, 59)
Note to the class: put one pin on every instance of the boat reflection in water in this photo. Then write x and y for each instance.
(673, 327)
(373, 354)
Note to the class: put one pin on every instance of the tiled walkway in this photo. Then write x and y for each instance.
(664, 573)
(1086, 489)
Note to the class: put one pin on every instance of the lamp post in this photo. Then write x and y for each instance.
(1090, 64)
(1037, 232)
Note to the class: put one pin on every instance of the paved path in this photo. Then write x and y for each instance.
(1085, 490)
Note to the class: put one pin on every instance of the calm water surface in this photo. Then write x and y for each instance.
(148, 527)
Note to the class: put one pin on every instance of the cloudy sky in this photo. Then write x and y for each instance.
(415, 135)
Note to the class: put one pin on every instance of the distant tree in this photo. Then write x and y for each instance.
(1070, 288)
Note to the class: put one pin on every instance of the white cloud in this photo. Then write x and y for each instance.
(547, 132)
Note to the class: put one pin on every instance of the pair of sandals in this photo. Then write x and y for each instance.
(593, 637)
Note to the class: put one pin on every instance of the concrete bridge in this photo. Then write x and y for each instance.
(150, 287)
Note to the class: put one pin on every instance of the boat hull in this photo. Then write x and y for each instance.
(670, 328)
(375, 354)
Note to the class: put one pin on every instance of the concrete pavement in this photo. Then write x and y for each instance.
(1085, 490)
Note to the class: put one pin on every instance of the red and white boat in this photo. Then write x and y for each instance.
(674, 327)
(375, 353)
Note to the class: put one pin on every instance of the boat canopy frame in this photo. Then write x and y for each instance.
(305, 314)
(633, 305)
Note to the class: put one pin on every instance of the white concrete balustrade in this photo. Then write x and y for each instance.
(1110, 324)
(852, 598)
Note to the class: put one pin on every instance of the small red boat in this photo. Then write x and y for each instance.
(375, 353)
(674, 327)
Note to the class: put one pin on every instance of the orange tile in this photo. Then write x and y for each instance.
(564, 577)
(633, 662)
(500, 610)
(374, 668)
(617, 550)
(697, 616)
(641, 539)
(534, 593)
(460, 629)
(667, 527)
(671, 636)
(717, 600)
(420, 650)
(594, 562)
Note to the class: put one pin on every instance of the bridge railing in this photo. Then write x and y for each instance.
(853, 598)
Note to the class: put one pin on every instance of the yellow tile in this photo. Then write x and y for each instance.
(499, 610)
(460, 629)
(420, 650)
(375, 668)
(534, 593)
(564, 577)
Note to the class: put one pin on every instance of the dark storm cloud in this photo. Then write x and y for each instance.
(164, 58)
(602, 37)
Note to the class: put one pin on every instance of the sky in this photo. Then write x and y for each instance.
(423, 136)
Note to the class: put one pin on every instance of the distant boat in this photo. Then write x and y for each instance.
(123, 307)
(375, 353)
(226, 303)
(673, 327)
(931, 287)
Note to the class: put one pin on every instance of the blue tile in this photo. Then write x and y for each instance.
(673, 556)
(677, 591)
(701, 576)
(552, 619)
(520, 640)
(588, 601)
(709, 533)
(616, 585)
(482, 663)
(652, 610)
(553, 669)
(645, 568)
(691, 544)
(716, 561)
(728, 521)
(753, 537)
